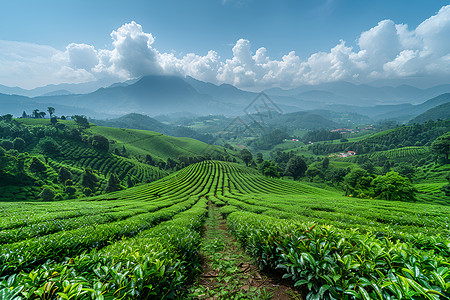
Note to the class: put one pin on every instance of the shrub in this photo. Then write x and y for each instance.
(37, 165)
(19, 144)
(70, 190)
(87, 191)
(48, 145)
(47, 194)
(7, 144)
(64, 174)
(100, 142)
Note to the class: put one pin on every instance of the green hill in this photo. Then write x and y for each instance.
(152, 232)
(33, 153)
(439, 112)
(143, 122)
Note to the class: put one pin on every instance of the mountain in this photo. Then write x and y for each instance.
(415, 110)
(72, 88)
(439, 112)
(150, 95)
(58, 93)
(361, 95)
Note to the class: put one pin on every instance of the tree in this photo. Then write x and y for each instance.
(88, 179)
(392, 186)
(37, 165)
(47, 194)
(7, 145)
(272, 170)
(35, 114)
(81, 121)
(100, 142)
(386, 167)
(51, 111)
(295, 167)
(64, 174)
(24, 115)
(19, 144)
(87, 192)
(53, 121)
(312, 172)
(42, 114)
(7, 118)
(246, 156)
(259, 158)
(149, 160)
(70, 190)
(441, 145)
(325, 163)
(113, 183)
(48, 145)
(63, 117)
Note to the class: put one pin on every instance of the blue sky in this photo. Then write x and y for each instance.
(182, 27)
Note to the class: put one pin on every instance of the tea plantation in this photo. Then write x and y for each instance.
(143, 242)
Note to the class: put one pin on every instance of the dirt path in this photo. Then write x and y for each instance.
(228, 272)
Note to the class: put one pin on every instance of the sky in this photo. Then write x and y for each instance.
(252, 44)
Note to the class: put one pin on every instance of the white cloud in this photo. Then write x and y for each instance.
(387, 50)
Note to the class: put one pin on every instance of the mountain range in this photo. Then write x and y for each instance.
(155, 95)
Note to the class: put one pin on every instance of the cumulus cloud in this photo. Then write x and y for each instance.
(388, 50)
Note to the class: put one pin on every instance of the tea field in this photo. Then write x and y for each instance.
(144, 242)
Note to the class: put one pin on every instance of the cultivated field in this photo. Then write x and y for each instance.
(143, 242)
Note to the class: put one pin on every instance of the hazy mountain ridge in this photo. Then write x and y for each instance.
(155, 95)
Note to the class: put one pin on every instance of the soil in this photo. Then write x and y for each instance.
(250, 278)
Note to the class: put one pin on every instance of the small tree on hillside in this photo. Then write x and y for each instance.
(442, 145)
(295, 167)
(81, 121)
(88, 179)
(100, 142)
(7, 118)
(35, 114)
(392, 186)
(51, 111)
(246, 156)
(113, 183)
(47, 194)
(53, 120)
(64, 174)
(19, 144)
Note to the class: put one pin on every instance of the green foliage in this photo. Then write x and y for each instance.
(49, 146)
(270, 169)
(113, 183)
(246, 156)
(331, 263)
(151, 234)
(87, 192)
(47, 194)
(392, 186)
(7, 145)
(268, 140)
(320, 135)
(37, 165)
(64, 175)
(89, 179)
(296, 167)
(442, 145)
(100, 142)
(19, 144)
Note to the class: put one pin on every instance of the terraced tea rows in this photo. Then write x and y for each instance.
(106, 163)
(143, 242)
(412, 152)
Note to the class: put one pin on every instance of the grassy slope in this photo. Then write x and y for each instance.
(141, 142)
